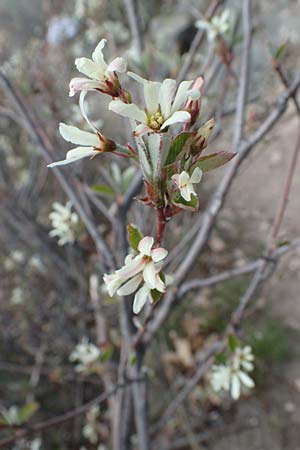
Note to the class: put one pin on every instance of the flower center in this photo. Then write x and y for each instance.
(155, 121)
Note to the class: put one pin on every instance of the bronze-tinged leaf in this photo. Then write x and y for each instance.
(212, 161)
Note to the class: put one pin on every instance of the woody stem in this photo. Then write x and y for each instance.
(161, 224)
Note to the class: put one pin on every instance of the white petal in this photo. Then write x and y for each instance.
(137, 77)
(246, 380)
(128, 110)
(140, 298)
(131, 286)
(117, 65)
(151, 94)
(176, 178)
(145, 245)
(89, 68)
(166, 96)
(75, 155)
(82, 84)
(247, 365)
(202, 24)
(83, 111)
(97, 56)
(158, 254)
(77, 136)
(149, 275)
(178, 116)
(196, 175)
(184, 178)
(235, 387)
(185, 193)
(142, 129)
(112, 282)
(159, 284)
(181, 95)
(132, 268)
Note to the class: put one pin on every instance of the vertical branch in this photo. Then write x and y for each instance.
(244, 75)
(135, 26)
(287, 188)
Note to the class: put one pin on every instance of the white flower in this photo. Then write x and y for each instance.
(143, 268)
(233, 375)
(220, 377)
(185, 182)
(217, 26)
(101, 75)
(89, 431)
(64, 223)
(92, 144)
(11, 415)
(17, 296)
(164, 105)
(86, 354)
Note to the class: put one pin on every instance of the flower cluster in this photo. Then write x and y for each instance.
(64, 223)
(232, 375)
(217, 26)
(140, 273)
(170, 143)
(89, 430)
(85, 354)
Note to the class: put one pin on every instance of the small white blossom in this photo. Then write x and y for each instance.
(217, 26)
(164, 105)
(89, 430)
(233, 375)
(64, 223)
(143, 270)
(11, 415)
(91, 144)
(185, 182)
(86, 354)
(17, 296)
(102, 76)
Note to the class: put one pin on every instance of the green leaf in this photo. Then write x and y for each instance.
(212, 161)
(193, 204)
(27, 411)
(132, 358)
(277, 52)
(221, 358)
(176, 147)
(106, 354)
(134, 236)
(233, 342)
(103, 189)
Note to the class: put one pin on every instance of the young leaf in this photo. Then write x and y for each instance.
(233, 342)
(103, 189)
(134, 236)
(202, 136)
(106, 354)
(27, 411)
(192, 205)
(212, 161)
(176, 147)
(221, 358)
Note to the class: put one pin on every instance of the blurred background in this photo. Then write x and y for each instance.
(47, 280)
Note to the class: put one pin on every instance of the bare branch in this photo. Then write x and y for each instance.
(244, 75)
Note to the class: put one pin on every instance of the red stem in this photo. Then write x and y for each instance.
(161, 224)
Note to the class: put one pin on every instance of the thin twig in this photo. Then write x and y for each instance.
(135, 26)
(244, 75)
